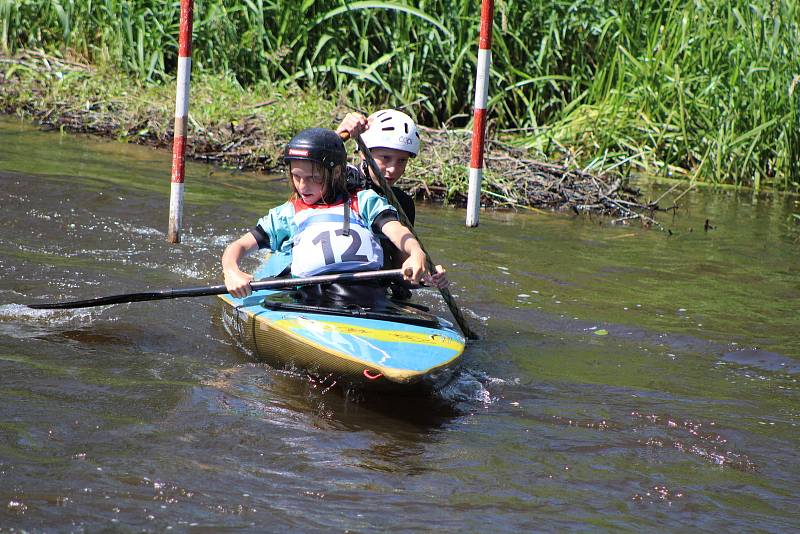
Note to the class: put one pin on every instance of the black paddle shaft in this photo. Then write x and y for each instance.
(281, 283)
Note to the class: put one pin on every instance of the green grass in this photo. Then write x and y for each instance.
(104, 101)
(700, 88)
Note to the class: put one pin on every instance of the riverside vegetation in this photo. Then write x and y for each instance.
(701, 90)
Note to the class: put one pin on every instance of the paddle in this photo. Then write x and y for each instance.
(280, 283)
(448, 298)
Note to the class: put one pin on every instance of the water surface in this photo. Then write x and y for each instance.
(626, 378)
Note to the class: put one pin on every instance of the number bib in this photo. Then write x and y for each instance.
(320, 245)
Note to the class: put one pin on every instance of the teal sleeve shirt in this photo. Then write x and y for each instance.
(372, 207)
(279, 227)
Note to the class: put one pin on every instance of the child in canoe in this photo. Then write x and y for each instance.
(392, 138)
(326, 227)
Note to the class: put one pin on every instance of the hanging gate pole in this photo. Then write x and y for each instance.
(181, 117)
(479, 120)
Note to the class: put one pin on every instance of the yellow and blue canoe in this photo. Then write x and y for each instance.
(395, 349)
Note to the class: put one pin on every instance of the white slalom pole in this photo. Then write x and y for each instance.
(479, 120)
(181, 116)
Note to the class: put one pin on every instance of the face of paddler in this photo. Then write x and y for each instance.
(308, 180)
(391, 162)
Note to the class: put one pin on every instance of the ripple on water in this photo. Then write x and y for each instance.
(762, 359)
(658, 494)
(699, 439)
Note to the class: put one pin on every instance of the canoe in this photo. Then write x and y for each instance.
(396, 348)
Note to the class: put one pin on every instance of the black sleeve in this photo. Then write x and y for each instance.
(261, 237)
(381, 219)
(406, 202)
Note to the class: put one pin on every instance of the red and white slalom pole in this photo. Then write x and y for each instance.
(479, 120)
(181, 118)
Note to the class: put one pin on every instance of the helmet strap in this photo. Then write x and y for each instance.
(346, 224)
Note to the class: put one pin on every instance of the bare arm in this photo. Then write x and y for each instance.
(414, 265)
(237, 281)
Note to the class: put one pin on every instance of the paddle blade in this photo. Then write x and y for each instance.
(88, 303)
(132, 297)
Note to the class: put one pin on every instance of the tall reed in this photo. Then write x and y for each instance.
(700, 87)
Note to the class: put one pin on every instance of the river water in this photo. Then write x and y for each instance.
(626, 379)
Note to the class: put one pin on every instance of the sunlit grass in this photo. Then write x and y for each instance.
(701, 88)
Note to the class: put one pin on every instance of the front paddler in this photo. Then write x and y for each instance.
(326, 227)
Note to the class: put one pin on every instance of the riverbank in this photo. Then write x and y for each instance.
(704, 91)
(247, 127)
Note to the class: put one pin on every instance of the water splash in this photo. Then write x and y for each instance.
(20, 313)
(234, 327)
(140, 230)
(467, 386)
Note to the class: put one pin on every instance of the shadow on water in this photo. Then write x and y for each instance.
(334, 406)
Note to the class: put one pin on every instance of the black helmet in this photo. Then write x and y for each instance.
(317, 144)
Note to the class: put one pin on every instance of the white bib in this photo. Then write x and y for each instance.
(321, 246)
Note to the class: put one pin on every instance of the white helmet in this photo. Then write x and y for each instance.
(390, 128)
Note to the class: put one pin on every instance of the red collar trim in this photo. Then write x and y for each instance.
(299, 205)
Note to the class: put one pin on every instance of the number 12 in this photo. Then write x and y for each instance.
(324, 239)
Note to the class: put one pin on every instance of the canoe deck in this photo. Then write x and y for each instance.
(366, 352)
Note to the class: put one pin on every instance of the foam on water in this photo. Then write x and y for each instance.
(140, 230)
(20, 313)
(189, 271)
(18, 321)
